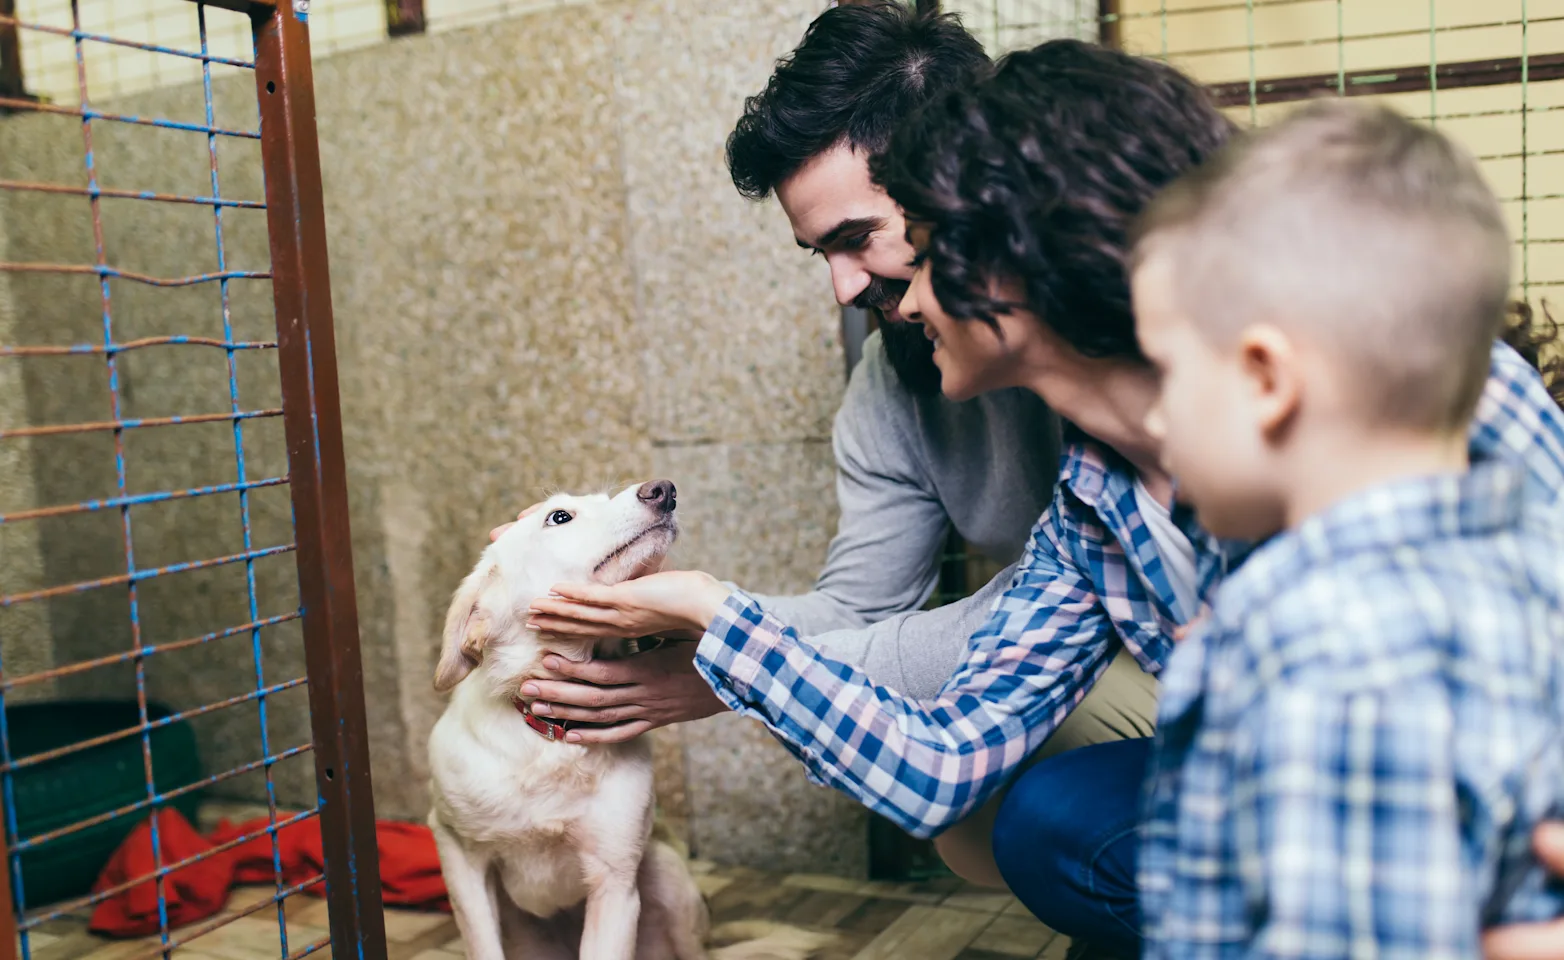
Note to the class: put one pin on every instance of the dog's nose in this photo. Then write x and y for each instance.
(661, 494)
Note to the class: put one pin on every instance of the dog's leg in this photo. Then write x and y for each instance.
(612, 838)
(474, 899)
(613, 913)
(674, 921)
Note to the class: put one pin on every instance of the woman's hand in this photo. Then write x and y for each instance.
(629, 696)
(1533, 941)
(677, 604)
(1181, 632)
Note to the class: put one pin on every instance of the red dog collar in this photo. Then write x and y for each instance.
(550, 729)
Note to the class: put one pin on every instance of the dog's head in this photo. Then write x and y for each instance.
(597, 539)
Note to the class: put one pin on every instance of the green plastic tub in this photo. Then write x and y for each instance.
(57, 793)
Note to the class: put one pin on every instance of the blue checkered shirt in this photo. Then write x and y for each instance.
(1089, 582)
(1353, 749)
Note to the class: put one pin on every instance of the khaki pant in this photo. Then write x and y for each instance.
(1122, 705)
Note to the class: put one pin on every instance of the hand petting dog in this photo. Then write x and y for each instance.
(641, 692)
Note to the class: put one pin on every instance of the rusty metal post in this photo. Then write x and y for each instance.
(1380, 81)
(11, 85)
(312, 417)
(1109, 33)
(9, 909)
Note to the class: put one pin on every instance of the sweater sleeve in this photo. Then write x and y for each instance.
(884, 559)
(916, 652)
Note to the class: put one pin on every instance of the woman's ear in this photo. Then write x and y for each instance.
(466, 631)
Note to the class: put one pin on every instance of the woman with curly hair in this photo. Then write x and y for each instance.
(1020, 194)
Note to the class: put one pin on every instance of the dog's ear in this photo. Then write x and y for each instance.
(466, 631)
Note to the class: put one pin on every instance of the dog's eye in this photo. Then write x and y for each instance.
(558, 517)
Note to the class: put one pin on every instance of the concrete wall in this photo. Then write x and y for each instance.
(25, 646)
(542, 279)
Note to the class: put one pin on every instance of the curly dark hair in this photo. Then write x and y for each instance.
(860, 70)
(1037, 173)
(1534, 338)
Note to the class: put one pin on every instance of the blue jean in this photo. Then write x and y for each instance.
(1066, 840)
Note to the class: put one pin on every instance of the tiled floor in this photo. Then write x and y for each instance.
(937, 920)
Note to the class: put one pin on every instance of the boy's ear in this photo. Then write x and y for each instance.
(1272, 365)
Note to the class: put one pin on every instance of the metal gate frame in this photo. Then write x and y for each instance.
(312, 417)
(10, 55)
(317, 471)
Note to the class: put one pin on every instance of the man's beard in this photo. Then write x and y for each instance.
(910, 352)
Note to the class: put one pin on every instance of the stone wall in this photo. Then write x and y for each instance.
(543, 280)
(25, 645)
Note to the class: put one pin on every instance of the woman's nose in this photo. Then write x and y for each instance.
(909, 307)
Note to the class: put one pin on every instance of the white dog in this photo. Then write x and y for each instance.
(545, 845)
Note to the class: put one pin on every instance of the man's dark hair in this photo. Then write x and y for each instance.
(860, 71)
(1037, 173)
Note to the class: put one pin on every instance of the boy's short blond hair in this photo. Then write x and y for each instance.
(1361, 231)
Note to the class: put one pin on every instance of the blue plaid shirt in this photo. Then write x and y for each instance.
(1090, 581)
(1353, 749)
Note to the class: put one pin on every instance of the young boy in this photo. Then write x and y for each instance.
(1353, 749)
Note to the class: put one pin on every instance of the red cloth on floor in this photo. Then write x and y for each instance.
(409, 870)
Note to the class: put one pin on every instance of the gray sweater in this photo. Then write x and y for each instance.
(908, 468)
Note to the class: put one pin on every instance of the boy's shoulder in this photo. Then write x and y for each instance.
(1354, 612)
(1518, 419)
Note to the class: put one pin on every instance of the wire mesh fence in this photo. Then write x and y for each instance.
(145, 30)
(1005, 25)
(176, 603)
(1488, 72)
(337, 26)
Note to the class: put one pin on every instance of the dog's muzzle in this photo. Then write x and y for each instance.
(660, 495)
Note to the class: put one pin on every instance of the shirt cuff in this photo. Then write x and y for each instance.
(730, 657)
(731, 652)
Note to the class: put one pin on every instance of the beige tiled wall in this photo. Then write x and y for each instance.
(1006, 25)
(1516, 131)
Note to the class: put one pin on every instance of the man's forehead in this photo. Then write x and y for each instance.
(831, 188)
